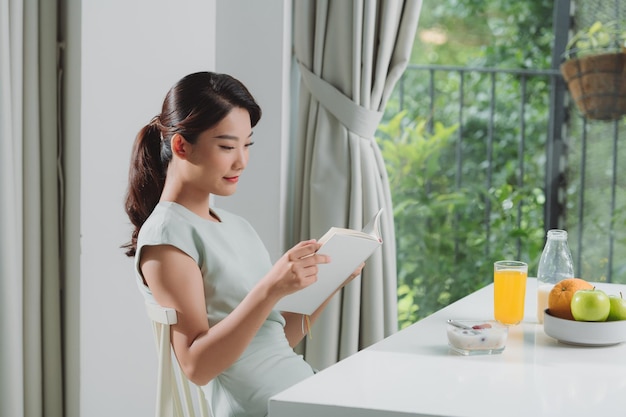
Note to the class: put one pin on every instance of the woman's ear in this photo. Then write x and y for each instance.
(180, 147)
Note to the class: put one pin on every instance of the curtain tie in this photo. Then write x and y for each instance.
(354, 117)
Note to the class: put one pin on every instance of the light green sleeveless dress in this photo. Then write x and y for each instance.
(232, 260)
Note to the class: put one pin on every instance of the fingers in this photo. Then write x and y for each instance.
(355, 274)
(303, 260)
(298, 267)
(358, 270)
(306, 266)
(305, 251)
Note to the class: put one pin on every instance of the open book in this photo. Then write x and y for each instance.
(347, 249)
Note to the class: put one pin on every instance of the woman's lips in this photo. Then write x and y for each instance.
(232, 179)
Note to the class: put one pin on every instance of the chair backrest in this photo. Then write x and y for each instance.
(174, 396)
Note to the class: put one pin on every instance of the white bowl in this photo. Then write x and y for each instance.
(584, 333)
(488, 338)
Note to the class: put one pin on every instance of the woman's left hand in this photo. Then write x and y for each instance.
(355, 274)
(293, 327)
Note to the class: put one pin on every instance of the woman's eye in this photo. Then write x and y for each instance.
(230, 148)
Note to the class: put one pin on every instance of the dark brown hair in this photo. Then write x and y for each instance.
(194, 104)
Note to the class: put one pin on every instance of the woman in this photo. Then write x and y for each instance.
(206, 263)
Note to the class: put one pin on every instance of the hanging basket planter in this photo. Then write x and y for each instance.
(597, 84)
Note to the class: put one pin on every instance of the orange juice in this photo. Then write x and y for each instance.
(509, 292)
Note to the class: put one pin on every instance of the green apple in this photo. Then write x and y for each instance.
(618, 308)
(590, 305)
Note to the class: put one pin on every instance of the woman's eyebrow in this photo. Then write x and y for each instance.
(231, 137)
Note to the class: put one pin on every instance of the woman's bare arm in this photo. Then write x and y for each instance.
(176, 282)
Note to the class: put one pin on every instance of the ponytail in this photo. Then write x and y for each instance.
(146, 179)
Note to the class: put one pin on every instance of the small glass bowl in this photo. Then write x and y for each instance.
(473, 337)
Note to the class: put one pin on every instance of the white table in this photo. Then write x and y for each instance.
(413, 373)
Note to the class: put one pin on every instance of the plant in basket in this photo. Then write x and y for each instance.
(595, 70)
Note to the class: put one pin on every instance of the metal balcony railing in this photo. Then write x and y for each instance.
(582, 185)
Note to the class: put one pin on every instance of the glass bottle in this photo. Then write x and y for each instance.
(555, 265)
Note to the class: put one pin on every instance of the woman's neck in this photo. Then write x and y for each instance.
(198, 204)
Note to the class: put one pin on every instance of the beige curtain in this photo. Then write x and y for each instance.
(31, 382)
(350, 55)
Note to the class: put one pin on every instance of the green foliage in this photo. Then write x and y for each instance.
(597, 38)
(485, 33)
(466, 189)
(591, 222)
(467, 186)
(443, 248)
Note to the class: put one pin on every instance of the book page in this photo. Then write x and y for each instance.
(370, 231)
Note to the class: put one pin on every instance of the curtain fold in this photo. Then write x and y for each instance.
(350, 54)
(31, 382)
(11, 270)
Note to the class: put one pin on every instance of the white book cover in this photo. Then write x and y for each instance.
(347, 249)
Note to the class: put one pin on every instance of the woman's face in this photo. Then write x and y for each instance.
(220, 155)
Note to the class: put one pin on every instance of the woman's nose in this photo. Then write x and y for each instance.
(242, 159)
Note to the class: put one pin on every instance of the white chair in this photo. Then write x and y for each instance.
(174, 397)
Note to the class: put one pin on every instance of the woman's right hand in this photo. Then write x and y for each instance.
(296, 269)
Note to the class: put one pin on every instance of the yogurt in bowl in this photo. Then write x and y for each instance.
(473, 337)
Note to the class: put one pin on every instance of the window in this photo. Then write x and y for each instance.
(468, 138)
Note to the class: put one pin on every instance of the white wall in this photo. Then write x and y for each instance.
(131, 53)
(255, 47)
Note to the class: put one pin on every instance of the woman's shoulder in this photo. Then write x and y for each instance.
(168, 221)
(169, 224)
(172, 222)
(166, 214)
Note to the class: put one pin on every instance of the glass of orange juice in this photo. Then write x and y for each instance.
(509, 291)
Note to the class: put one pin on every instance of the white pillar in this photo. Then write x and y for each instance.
(254, 45)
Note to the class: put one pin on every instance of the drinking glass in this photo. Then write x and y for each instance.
(509, 291)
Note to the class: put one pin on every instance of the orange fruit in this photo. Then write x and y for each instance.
(560, 297)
